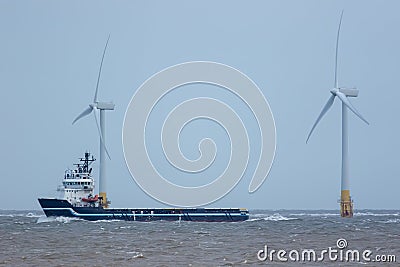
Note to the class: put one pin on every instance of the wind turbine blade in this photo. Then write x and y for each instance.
(101, 65)
(324, 110)
(83, 114)
(337, 49)
(98, 128)
(346, 101)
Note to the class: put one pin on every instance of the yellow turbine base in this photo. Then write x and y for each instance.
(104, 201)
(346, 204)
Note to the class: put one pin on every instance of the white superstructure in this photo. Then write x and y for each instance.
(78, 184)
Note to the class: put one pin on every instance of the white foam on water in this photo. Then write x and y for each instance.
(275, 218)
(106, 221)
(132, 252)
(124, 227)
(32, 215)
(315, 214)
(375, 214)
(338, 214)
(392, 221)
(138, 255)
(45, 219)
(28, 215)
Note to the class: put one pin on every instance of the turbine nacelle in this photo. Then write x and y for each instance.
(349, 92)
(105, 105)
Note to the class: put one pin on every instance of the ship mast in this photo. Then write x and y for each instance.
(86, 162)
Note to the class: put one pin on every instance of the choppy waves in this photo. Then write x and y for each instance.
(316, 214)
(28, 238)
(376, 214)
(12, 214)
(44, 219)
(276, 217)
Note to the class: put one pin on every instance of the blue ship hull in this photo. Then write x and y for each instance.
(61, 207)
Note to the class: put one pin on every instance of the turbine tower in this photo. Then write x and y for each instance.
(95, 107)
(346, 203)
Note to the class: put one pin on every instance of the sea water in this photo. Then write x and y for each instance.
(28, 238)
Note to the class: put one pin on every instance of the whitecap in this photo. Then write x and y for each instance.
(254, 220)
(392, 221)
(32, 215)
(375, 214)
(315, 214)
(275, 217)
(7, 215)
(45, 219)
(278, 217)
(138, 255)
(106, 221)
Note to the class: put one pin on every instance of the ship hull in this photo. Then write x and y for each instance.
(61, 207)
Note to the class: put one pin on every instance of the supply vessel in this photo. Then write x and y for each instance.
(78, 199)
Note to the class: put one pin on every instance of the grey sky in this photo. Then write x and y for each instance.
(50, 53)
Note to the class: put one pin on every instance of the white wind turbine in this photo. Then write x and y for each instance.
(95, 107)
(346, 204)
